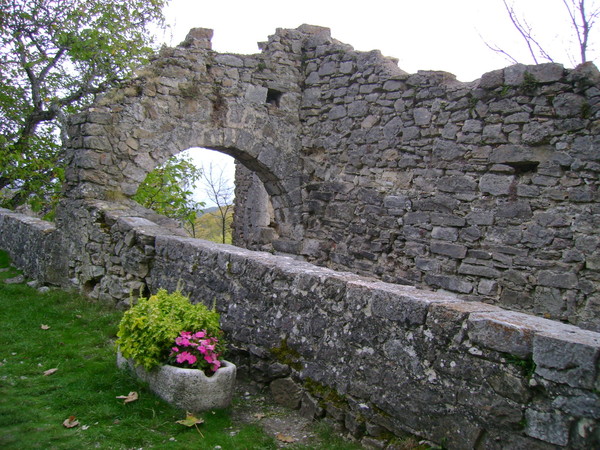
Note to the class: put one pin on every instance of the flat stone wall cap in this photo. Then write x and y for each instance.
(135, 222)
(514, 332)
(468, 307)
(506, 332)
(568, 355)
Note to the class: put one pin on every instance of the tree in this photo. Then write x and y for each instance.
(582, 15)
(209, 226)
(55, 57)
(221, 193)
(168, 190)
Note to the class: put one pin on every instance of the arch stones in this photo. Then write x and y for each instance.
(191, 96)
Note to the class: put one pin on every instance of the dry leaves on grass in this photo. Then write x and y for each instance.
(50, 371)
(71, 422)
(131, 397)
(191, 421)
(45, 327)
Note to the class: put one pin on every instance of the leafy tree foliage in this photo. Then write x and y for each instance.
(168, 190)
(221, 192)
(209, 225)
(55, 57)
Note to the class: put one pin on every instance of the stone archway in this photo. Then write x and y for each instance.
(190, 96)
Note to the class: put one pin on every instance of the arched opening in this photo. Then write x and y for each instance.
(198, 187)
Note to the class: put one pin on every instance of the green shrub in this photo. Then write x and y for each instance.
(148, 330)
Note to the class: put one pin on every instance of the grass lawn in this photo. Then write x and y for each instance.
(63, 331)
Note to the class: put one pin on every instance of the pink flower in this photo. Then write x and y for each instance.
(186, 356)
(174, 349)
(200, 334)
(215, 366)
(183, 341)
(210, 358)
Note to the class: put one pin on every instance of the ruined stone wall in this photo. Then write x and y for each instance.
(487, 189)
(374, 358)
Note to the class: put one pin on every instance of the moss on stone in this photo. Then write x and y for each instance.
(286, 355)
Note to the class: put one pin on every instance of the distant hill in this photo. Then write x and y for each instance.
(208, 211)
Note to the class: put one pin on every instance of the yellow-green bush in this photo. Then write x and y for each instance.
(148, 330)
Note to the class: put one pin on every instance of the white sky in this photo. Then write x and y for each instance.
(444, 35)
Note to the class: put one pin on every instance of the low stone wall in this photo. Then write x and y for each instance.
(378, 359)
(32, 244)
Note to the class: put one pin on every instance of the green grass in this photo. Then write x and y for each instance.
(80, 344)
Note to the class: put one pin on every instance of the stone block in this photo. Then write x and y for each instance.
(564, 280)
(480, 271)
(492, 80)
(568, 104)
(444, 233)
(496, 184)
(398, 307)
(310, 408)
(570, 357)
(258, 94)
(503, 332)
(546, 73)
(450, 283)
(422, 116)
(514, 210)
(337, 112)
(457, 184)
(551, 427)
(452, 250)
(286, 393)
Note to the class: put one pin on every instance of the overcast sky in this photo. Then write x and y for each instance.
(447, 35)
(423, 34)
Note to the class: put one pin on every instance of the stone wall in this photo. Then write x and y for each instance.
(487, 191)
(373, 358)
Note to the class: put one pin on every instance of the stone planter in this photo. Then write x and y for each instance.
(187, 389)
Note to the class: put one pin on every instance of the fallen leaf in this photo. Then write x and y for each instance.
(190, 420)
(71, 422)
(45, 327)
(50, 371)
(85, 427)
(260, 416)
(131, 397)
(284, 438)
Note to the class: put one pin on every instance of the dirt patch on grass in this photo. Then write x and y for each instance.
(253, 404)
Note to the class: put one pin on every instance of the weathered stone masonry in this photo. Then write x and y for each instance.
(488, 189)
(410, 178)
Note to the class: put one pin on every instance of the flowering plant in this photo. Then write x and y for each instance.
(197, 350)
(149, 329)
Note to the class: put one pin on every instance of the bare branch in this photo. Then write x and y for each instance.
(524, 30)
